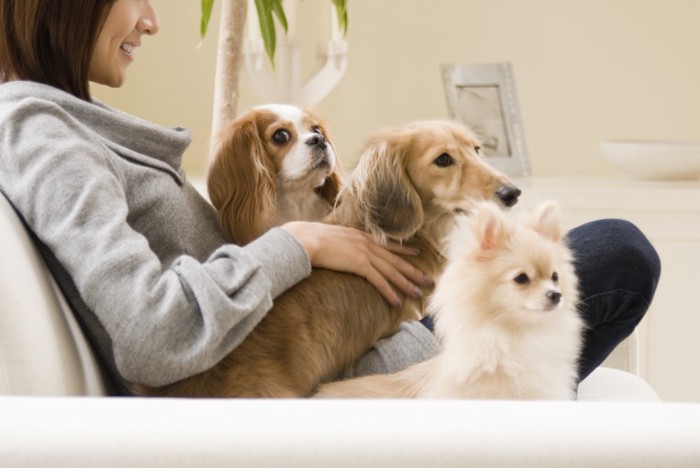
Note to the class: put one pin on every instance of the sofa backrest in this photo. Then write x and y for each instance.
(42, 349)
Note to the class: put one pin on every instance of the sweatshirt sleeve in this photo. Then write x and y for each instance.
(165, 322)
(413, 343)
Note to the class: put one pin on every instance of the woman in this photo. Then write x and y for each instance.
(138, 252)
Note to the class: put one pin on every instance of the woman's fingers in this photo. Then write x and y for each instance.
(397, 278)
(402, 274)
(351, 250)
(406, 268)
(382, 285)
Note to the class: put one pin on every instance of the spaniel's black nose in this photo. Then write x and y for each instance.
(317, 140)
(508, 194)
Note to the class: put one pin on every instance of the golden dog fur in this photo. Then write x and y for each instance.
(407, 187)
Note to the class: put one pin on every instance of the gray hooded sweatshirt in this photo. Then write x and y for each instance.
(135, 248)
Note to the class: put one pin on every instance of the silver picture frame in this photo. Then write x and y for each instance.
(483, 97)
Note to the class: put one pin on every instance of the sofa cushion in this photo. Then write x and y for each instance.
(42, 350)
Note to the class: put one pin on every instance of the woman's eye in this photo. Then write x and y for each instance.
(281, 137)
(522, 278)
(444, 160)
(555, 277)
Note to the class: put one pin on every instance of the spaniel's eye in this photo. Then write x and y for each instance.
(522, 278)
(477, 149)
(555, 277)
(444, 160)
(281, 137)
(317, 129)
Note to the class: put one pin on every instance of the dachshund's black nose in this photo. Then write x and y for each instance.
(317, 140)
(508, 194)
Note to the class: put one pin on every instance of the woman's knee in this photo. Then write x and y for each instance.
(616, 248)
(635, 250)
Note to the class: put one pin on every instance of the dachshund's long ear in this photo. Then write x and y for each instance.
(391, 206)
(241, 183)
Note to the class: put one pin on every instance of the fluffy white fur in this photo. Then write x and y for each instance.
(506, 310)
(273, 164)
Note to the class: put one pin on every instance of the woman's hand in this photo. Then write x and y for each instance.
(353, 251)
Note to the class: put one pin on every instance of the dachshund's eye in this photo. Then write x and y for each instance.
(477, 149)
(522, 278)
(555, 277)
(281, 137)
(444, 160)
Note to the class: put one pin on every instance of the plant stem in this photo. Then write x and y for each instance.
(228, 66)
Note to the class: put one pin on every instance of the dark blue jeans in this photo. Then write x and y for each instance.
(618, 270)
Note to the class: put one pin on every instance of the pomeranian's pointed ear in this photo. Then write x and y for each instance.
(490, 225)
(547, 221)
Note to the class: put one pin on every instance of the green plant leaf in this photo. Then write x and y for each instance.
(341, 9)
(279, 13)
(207, 6)
(268, 10)
(267, 27)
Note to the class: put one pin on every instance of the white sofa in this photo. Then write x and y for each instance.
(54, 412)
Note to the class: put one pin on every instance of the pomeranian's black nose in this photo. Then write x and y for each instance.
(508, 194)
(553, 296)
(317, 140)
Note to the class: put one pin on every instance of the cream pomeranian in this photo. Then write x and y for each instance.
(505, 309)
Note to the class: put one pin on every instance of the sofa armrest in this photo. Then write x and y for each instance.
(105, 432)
(609, 384)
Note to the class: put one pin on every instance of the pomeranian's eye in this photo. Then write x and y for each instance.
(281, 137)
(555, 277)
(477, 149)
(522, 278)
(444, 160)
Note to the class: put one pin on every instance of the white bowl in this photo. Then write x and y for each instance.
(655, 160)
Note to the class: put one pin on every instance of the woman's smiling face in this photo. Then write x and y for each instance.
(121, 33)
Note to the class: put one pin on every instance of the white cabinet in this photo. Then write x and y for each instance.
(669, 214)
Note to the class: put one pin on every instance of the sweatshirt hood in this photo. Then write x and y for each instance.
(125, 134)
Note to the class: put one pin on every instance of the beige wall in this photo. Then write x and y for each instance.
(585, 70)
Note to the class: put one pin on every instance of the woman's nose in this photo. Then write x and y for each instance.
(148, 23)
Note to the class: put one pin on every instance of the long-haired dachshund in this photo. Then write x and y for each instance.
(408, 186)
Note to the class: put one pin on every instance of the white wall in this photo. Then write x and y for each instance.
(585, 70)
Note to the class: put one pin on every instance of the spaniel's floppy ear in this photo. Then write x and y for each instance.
(331, 187)
(334, 182)
(391, 206)
(241, 183)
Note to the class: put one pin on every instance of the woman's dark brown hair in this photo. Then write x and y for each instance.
(50, 41)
